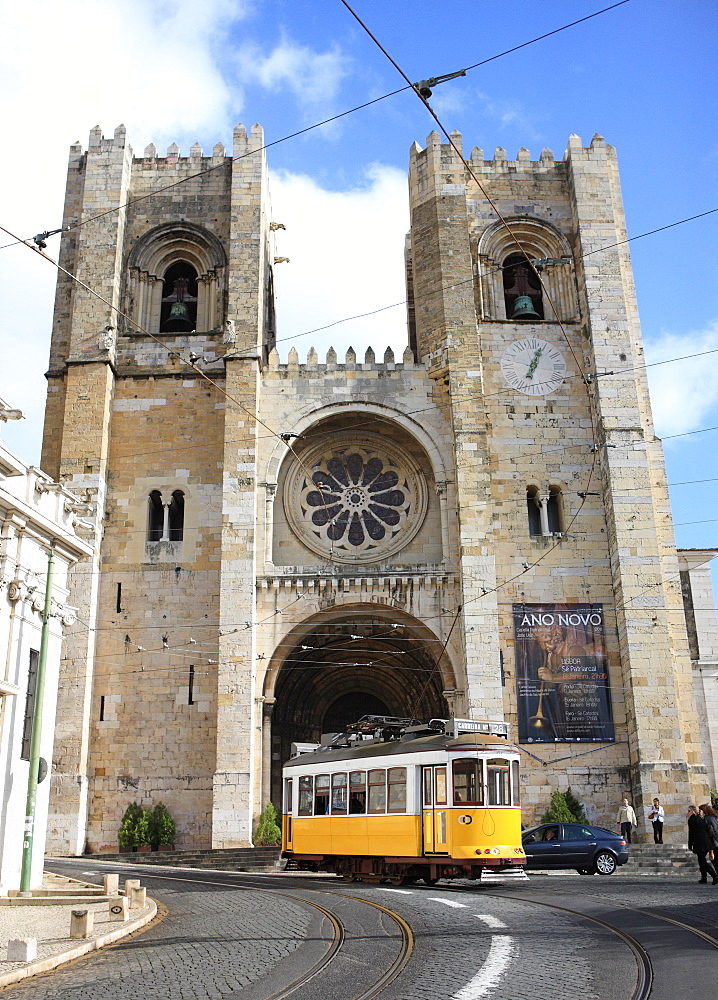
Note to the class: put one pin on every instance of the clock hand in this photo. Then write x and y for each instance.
(534, 363)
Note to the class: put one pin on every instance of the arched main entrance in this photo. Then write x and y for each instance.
(352, 662)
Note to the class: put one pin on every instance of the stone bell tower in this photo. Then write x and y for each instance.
(581, 450)
(180, 245)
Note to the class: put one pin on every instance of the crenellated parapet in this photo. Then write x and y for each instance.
(351, 364)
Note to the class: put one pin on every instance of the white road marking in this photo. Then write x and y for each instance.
(404, 892)
(501, 952)
(491, 921)
(448, 902)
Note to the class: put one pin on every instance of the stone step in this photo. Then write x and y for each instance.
(231, 858)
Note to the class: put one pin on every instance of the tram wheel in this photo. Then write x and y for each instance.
(430, 881)
(396, 880)
(350, 878)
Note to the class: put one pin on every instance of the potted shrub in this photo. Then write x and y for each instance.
(268, 833)
(143, 832)
(126, 833)
(163, 829)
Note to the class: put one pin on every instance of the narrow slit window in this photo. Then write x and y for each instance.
(156, 517)
(29, 704)
(534, 510)
(190, 686)
(102, 708)
(176, 516)
(118, 605)
(553, 511)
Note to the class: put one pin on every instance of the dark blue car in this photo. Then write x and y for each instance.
(590, 850)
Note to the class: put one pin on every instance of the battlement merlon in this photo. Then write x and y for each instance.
(429, 167)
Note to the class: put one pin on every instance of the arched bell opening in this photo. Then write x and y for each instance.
(335, 671)
(522, 289)
(179, 299)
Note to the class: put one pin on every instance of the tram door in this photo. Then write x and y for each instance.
(434, 809)
(288, 810)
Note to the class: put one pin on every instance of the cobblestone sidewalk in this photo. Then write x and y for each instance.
(49, 924)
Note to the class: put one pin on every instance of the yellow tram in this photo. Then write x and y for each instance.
(392, 799)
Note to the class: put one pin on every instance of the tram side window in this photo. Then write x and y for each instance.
(468, 783)
(377, 791)
(497, 780)
(321, 795)
(396, 777)
(357, 793)
(306, 796)
(516, 791)
(339, 794)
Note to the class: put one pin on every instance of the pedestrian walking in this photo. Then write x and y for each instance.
(657, 818)
(700, 843)
(626, 818)
(711, 817)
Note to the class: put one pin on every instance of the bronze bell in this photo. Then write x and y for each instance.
(523, 308)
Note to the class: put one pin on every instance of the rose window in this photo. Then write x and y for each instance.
(356, 502)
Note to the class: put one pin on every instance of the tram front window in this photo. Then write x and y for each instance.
(339, 794)
(321, 795)
(357, 793)
(497, 781)
(516, 792)
(468, 784)
(377, 791)
(306, 796)
(397, 789)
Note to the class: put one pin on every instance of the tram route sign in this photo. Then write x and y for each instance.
(562, 681)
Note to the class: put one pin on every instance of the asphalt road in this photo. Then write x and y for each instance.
(555, 937)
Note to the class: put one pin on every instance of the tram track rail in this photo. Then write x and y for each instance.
(339, 933)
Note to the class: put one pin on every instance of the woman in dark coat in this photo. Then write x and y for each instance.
(699, 842)
(711, 817)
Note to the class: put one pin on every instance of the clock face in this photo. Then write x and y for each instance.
(532, 366)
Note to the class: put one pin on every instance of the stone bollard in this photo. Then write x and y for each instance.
(130, 884)
(138, 897)
(81, 923)
(112, 885)
(119, 908)
(22, 949)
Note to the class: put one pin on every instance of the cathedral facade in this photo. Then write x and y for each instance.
(480, 527)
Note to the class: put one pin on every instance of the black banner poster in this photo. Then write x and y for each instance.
(562, 674)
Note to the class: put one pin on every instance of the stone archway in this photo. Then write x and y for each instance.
(356, 661)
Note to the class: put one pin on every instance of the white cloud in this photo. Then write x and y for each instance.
(312, 77)
(684, 394)
(346, 251)
(152, 64)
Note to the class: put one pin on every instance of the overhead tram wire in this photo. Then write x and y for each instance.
(545, 292)
(494, 270)
(310, 128)
(202, 374)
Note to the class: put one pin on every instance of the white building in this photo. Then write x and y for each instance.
(35, 513)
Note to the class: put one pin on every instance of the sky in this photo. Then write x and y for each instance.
(642, 75)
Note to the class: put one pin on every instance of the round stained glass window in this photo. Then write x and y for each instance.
(355, 502)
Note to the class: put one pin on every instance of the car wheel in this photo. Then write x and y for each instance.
(604, 863)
